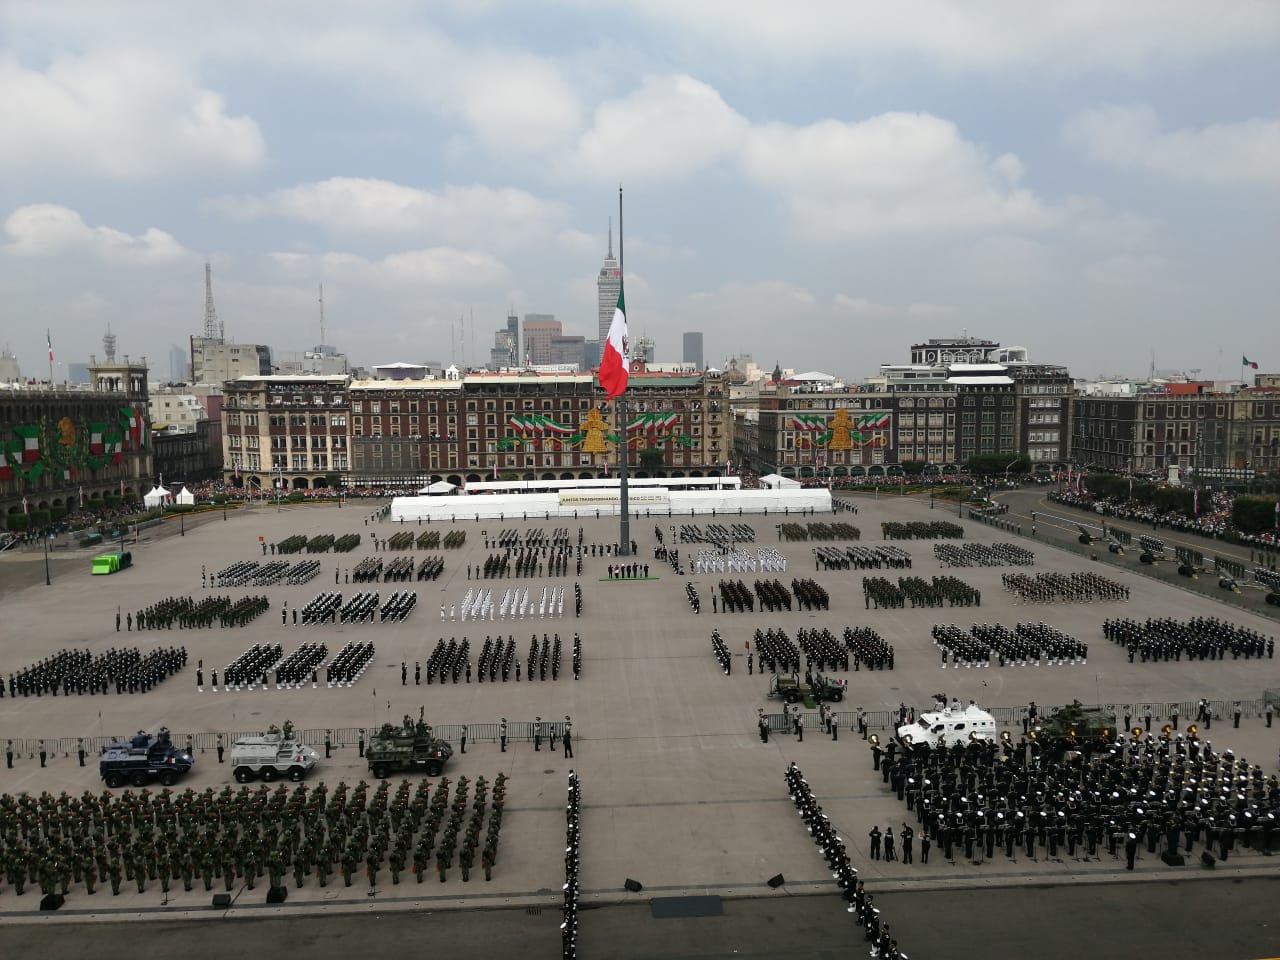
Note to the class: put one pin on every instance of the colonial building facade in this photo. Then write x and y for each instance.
(322, 431)
(290, 431)
(60, 447)
(1215, 436)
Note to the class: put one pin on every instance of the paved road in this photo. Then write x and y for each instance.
(1207, 920)
(1060, 530)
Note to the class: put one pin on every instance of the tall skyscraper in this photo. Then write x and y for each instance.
(608, 285)
(693, 349)
(539, 330)
(177, 363)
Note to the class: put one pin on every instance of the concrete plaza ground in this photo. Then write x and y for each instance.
(678, 791)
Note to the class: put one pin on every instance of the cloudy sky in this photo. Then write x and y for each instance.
(818, 183)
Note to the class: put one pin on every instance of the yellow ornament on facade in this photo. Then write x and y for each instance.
(840, 426)
(595, 428)
(66, 432)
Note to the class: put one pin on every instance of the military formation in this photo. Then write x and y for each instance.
(819, 531)
(190, 614)
(832, 846)
(572, 861)
(918, 592)
(128, 670)
(1026, 643)
(919, 530)
(246, 835)
(258, 574)
(982, 555)
(1063, 587)
(1200, 638)
(1085, 798)
(861, 558)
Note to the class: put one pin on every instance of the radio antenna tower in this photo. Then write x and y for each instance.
(213, 329)
(322, 339)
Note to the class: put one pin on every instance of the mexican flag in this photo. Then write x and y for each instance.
(811, 422)
(1246, 362)
(132, 423)
(30, 442)
(873, 421)
(613, 364)
(6, 471)
(97, 432)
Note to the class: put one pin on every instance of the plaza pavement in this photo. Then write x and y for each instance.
(678, 791)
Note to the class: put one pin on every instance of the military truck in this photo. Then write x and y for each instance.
(792, 689)
(1074, 721)
(410, 746)
(277, 753)
(143, 759)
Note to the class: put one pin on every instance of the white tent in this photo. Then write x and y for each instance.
(186, 496)
(772, 481)
(157, 496)
(439, 488)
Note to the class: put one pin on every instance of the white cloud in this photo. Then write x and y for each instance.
(121, 115)
(50, 230)
(1130, 138)
(496, 215)
(981, 34)
(893, 173)
(442, 267)
(1126, 270)
(671, 126)
(861, 307)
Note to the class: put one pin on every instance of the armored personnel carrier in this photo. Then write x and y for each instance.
(277, 753)
(143, 759)
(947, 727)
(411, 746)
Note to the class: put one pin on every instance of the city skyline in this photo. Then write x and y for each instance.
(815, 186)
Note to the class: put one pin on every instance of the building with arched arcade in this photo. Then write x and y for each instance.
(62, 447)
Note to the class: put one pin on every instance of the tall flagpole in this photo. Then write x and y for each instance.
(624, 531)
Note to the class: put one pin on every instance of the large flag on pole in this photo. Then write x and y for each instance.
(613, 362)
(1244, 362)
(48, 336)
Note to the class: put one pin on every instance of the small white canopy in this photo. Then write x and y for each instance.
(186, 496)
(439, 488)
(157, 496)
(773, 481)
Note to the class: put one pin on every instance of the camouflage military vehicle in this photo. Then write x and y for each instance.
(1074, 721)
(410, 746)
(792, 689)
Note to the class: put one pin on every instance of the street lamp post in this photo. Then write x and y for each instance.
(48, 582)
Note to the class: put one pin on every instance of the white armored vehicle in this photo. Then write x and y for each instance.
(948, 726)
(275, 754)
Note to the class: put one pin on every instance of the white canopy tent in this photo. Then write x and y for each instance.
(157, 496)
(185, 496)
(439, 488)
(773, 481)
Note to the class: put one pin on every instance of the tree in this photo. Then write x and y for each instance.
(652, 457)
(1253, 514)
(995, 464)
